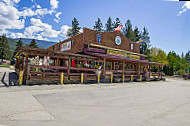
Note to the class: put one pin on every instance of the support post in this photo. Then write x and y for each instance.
(140, 77)
(82, 78)
(20, 78)
(104, 68)
(61, 78)
(131, 78)
(26, 69)
(123, 72)
(123, 78)
(111, 77)
(98, 78)
(68, 68)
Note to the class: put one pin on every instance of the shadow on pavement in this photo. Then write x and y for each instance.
(12, 80)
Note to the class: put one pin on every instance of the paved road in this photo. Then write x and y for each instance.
(129, 104)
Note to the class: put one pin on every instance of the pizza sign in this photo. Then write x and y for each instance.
(66, 46)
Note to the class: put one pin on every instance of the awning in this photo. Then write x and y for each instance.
(120, 58)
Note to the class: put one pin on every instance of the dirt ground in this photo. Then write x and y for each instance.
(158, 103)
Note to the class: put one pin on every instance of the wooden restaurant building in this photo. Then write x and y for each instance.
(91, 56)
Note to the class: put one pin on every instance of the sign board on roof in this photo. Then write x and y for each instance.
(66, 46)
(117, 40)
(116, 53)
(122, 54)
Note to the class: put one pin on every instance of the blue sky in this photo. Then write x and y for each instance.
(168, 22)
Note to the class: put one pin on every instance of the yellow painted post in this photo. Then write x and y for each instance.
(61, 79)
(111, 77)
(82, 78)
(123, 78)
(131, 77)
(140, 77)
(20, 77)
(98, 78)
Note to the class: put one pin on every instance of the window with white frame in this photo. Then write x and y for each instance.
(132, 46)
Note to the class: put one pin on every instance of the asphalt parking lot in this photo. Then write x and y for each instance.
(158, 103)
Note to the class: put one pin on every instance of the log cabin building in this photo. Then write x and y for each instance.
(89, 56)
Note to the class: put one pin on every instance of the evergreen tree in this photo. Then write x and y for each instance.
(75, 30)
(128, 31)
(33, 44)
(4, 48)
(19, 44)
(109, 25)
(145, 45)
(137, 34)
(117, 23)
(98, 25)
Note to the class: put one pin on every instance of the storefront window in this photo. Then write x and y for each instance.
(58, 47)
(72, 42)
(132, 46)
(98, 39)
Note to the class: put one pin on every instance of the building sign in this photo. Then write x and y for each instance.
(66, 46)
(116, 53)
(117, 40)
(135, 57)
(122, 54)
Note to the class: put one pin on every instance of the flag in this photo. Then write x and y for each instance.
(118, 28)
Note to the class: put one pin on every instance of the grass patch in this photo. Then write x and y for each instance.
(6, 66)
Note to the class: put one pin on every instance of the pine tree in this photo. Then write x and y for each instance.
(4, 48)
(109, 25)
(145, 45)
(137, 34)
(75, 30)
(117, 23)
(128, 31)
(33, 44)
(98, 25)
(19, 44)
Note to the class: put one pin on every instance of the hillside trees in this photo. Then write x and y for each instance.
(19, 44)
(33, 44)
(4, 48)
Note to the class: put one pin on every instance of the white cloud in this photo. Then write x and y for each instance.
(57, 17)
(17, 35)
(64, 30)
(32, 31)
(38, 6)
(28, 12)
(185, 7)
(12, 18)
(54, 4)
(9, 18)
(37, 27)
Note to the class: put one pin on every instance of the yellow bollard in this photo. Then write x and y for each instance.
(123, 78)
(111, 77)
(98, 78)
(61, 79)
(140, 77)
(131, 77)
(20, 78)
(82, 78)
